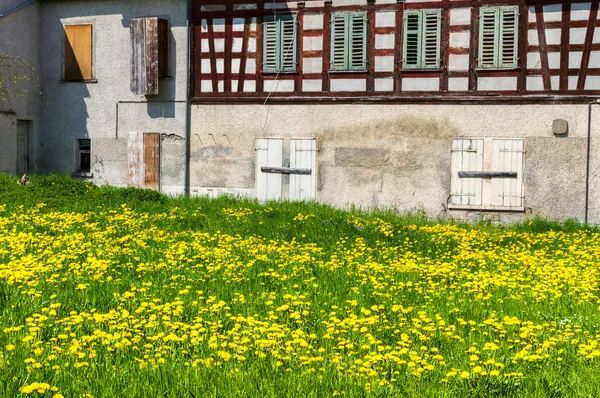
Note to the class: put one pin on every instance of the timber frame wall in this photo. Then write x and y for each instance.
(558, 54)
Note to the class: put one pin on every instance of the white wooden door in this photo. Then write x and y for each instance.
(303, 155)
(269, 152)
(467, 155)
(507, 155)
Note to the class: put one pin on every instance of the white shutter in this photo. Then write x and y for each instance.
(269, 152)
(303, 155)
(467, 155)
(135, 159)
(507, 155)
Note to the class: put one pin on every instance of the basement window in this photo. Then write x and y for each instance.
(84, 155)
(487, 174)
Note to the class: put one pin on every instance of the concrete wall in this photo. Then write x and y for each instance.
(19, 33)
(399, 155)
(89, 109)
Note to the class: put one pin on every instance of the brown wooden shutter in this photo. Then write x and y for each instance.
(149, 54)
(78, 52)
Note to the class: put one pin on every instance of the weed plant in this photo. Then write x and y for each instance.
(129, 293)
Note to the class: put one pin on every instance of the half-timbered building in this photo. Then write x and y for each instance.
(455, 108)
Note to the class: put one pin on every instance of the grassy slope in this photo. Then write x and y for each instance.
(324, 229)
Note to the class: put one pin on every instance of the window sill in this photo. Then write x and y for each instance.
(348, 71)
(273, 73)
(92, 81)
(509, 69)
(421, 70)
(82, 174)
(519, 209)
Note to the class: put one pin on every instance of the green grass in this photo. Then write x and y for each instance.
(286, 299)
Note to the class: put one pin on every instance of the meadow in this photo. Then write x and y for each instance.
(109, 292)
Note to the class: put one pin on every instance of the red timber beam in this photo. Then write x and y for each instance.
(589, 36)
(207, 48)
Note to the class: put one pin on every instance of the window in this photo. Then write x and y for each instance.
(149, 54)
(78, 53)
(279, 52)
(421, 44)
(498, 37)
(300, 182)
(349, 41)
(84, 157)
(487, 173)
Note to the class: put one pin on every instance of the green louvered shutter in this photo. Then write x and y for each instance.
(430, 53)
(488, 37)
(509, 39)
(411, 54)
(338, 41)
(357, 37)
(287, 43)
(270, 44)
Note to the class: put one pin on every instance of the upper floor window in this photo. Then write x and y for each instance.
(279, 52)
(349, 41)
(78, 53)
(421, 44)
(498, 37)
(149, 54)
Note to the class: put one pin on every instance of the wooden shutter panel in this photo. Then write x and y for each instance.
(467, 155)
(270, 44)
(488, 37)
(148, 62)
(287, 49)
(269, 152)
(135, 160)
(152, 161)
(508, 42)
(339, 41)
(411, 54)
(303, 155)
(432, 21)
(78, 52)
(507, 155)
(357, 35)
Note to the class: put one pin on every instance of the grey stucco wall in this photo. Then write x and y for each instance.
(399, 156)
(19, 37)
(89, 110)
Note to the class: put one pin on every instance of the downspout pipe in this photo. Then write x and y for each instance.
(3, 14)
(587, 163)
(186, 183)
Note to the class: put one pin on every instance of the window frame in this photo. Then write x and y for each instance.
(79, 22)
(347, 15)
(279, 68)
(78, 153)
(498, 64)
(421, 46)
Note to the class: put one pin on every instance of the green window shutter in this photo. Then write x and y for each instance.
(488, 37)
(338, 41)
(509, 38)
(357, 35)
(411, 51)
(287, 42)
(430, 54)
(270, 44)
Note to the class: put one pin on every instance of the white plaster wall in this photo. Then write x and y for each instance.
(19, 37)
(399, 155)
(77, 110)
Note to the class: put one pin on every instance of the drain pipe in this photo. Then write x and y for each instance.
(186, 183)
(587, 163)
